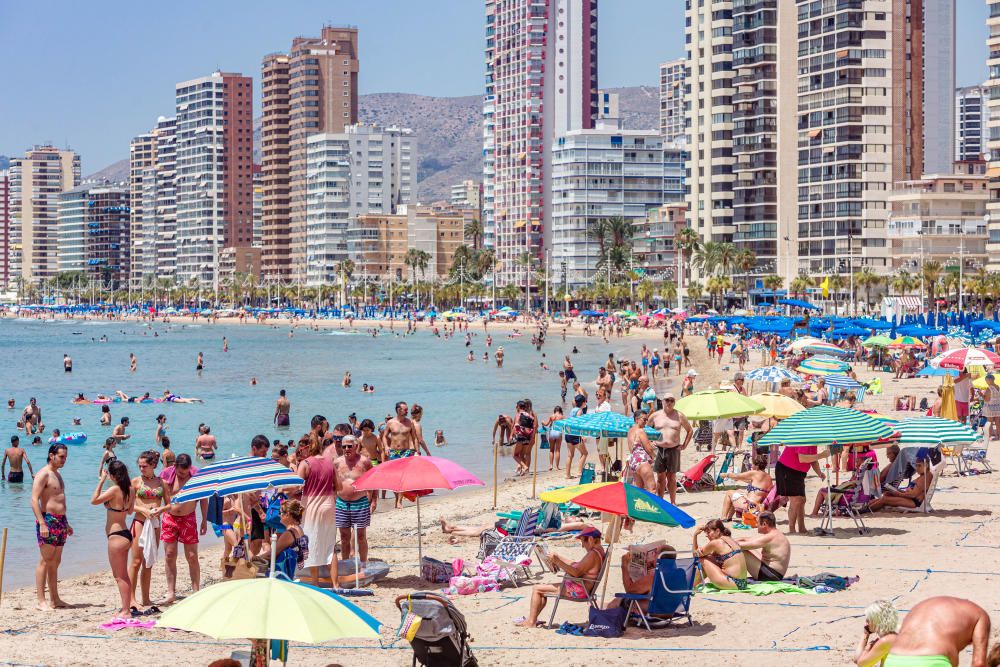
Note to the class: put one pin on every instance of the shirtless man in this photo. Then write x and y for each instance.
(775, 551)
(669, 422)
(505, 425)
(48, 502)
(418, 429)
(67, 364)
(205, 445)
(786, 389)
(282, 409)
(32, 418)
(400, 438)
(354, 508)
(604, 380)
(933, 633)
(119, 433)
(200, 363)
(15, 455)
(179, 524)
(370, 443)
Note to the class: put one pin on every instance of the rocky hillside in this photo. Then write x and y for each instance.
(449, 132)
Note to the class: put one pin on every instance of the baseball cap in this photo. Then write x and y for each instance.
(589, 532)
(693, 373)
(668, 397)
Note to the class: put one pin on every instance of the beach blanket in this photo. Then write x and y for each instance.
(761, 588)
(120, 623)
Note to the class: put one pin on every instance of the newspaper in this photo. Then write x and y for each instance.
(642, 558)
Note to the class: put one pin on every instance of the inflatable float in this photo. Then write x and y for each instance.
(78, 438)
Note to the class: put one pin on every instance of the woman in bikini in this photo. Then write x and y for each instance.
(722, 560)
(587, 568)
(639, 467)
(912, 497)
(759, 484)
(108, 455)
(118, 500)
(150, 493)
(555, 437)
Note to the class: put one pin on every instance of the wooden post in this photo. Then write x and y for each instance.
(496, 455)
(534, 464)
(612, 539)
(3, 556)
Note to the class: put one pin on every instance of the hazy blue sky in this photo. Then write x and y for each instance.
(90, 75)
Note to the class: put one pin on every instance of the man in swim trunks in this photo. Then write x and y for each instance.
(400, 438)
(775, 551)
(205, 445)
(933, 634)
(48, 502)
(282, 409)
(178, 523)
(354, 508)
(32, 418)
(15, 455)
(669, 422)
(67, 364)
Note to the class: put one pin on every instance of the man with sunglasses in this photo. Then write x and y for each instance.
(669, 422)
(354, 508)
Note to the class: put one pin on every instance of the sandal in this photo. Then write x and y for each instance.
(135, 612)
(152, 611)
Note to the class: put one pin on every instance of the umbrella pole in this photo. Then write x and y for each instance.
(534, 463)
(615, 525)
(274, 548)
(420, 538)
(496, 455)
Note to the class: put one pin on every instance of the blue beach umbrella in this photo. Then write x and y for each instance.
(772, 374)
(601, 425)
(930, 371)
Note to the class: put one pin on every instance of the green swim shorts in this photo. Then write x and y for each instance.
(917, 661)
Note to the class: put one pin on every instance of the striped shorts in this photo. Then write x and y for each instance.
(354, 513)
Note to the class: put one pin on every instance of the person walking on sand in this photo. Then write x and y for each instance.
(48, 502)
(118, 500)
(319, 520)
(16, 455)
(282, 409)
(354, 508)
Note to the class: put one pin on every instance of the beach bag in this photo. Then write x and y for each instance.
(272, 515)
(435, 571)
(607, 623)
(488, 542)
(238, 568)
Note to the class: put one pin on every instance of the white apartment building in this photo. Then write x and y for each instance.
(154, 204)
(971, 118)
(93, 233)
(603, 173)
(672, 101)
(364, 171)
(992, 94)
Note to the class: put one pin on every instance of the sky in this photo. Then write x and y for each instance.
(91, 75)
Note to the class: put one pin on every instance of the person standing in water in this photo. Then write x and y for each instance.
(200, 363)
(133, 362)
(282, 409)
(15, 454)
(225, 344)
(52, 529)
(67, 364)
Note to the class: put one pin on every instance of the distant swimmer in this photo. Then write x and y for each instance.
(119, 433)
(133, 362)
(253, 382)
(129, 399)
(67, 364)
(205, 445)
(225, 344)
(81, 399)
(200, 363)
(16, 455)
(347, 379)
(174, 398)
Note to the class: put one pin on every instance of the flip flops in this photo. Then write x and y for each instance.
(568, 628)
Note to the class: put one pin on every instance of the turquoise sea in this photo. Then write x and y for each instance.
(460, 397)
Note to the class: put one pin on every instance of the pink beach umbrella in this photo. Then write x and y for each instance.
(965, 357)
(416, 473)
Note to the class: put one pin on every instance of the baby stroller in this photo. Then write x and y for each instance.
(441, 640)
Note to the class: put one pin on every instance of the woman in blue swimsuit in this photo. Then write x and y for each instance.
(722, 560)
(555, 436)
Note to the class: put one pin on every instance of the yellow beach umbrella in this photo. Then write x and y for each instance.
(776, 405)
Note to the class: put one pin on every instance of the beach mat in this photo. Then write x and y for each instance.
(369, 572)
(760, 588)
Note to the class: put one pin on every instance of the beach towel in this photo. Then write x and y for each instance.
(121, 623)
(760, 588)
(148, 542)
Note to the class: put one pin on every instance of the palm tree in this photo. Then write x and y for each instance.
(527, 260)
(668, 290)
(837, 284)
(951, 281)
(773, 282)
(903, 282)
(695, 290)
(867, 279)
(932, 273)
(727, 258)
(706, 257)
(688, 242)
(746, 261)
(800, 284)
(510, 292)
(412, 259)
(474, 231)
(645, 290)
(717, 286)
(484, 262)
(600, 234)
(344, 269)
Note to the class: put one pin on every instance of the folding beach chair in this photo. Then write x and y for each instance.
(696, 478)
(670, 598)
(592, 587)
(840, 499)
(522, 544)
(925, 507)
(976, 458)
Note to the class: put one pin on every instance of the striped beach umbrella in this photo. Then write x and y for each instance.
(624, 499)
(800, 343)
(823, 367)
(824, 425)
(966, 357)
(772, 374)
(717, 404)
(880, 340)
(826, 348)
(934, 431)
(601, 425)
(239, 475)
(907, 342)
(842, 382)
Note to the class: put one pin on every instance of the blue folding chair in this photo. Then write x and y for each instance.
(670, 598)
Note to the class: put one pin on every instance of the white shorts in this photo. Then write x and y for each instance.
(602, 446)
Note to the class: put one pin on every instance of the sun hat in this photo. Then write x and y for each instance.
(589, 532)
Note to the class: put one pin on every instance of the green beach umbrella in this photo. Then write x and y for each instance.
(824, 425)
(907, 341)
(934, 431)
(717, 404)
(877, 341)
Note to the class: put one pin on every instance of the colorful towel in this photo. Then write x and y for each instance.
(121, 623)
(760, 588)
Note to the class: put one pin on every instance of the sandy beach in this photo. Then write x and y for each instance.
(905, 558)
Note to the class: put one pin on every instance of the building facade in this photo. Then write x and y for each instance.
(36, 181)
(938, 85)
(655, 242)
(603, 173)
(992, 94)
(940, 217)
(971, 117)
(364, 170)
(312, 89)
(93, 233)
(141, 163)
(214, 172)
(4, 228)
(468, 193)
(541, 82)
(153, 203)
(672, 101)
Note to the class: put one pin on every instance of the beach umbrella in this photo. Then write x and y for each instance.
(877, 341)
(825, 425)
(930, 371)
(772, 374)
(601, 425)
(566, 494)
(800, 343)
(966, 357)
(717, 404)
(238, 475)
(261, 609)
(778, 406)
(842, 382)
(823, 367)
(850, 330)
(906, 342)
(869, 323)
(934, 431)
(622, 499)
(826, 349)
(416, 473)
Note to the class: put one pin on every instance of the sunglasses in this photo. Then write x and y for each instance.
(669, 400)
(348, 446)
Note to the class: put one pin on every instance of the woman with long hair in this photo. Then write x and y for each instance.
(555, 437)
(721, 559)
(150, 493)
(118, 500)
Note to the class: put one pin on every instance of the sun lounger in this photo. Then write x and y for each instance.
(670, 598)
(976, 458)
(591, 585)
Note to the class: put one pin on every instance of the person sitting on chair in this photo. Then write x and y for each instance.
(914, 494)
(644, 584)
(758, 482)
(588, 568)
(775, 551)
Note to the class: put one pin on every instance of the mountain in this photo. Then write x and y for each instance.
(449, 133)
(114, 173)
